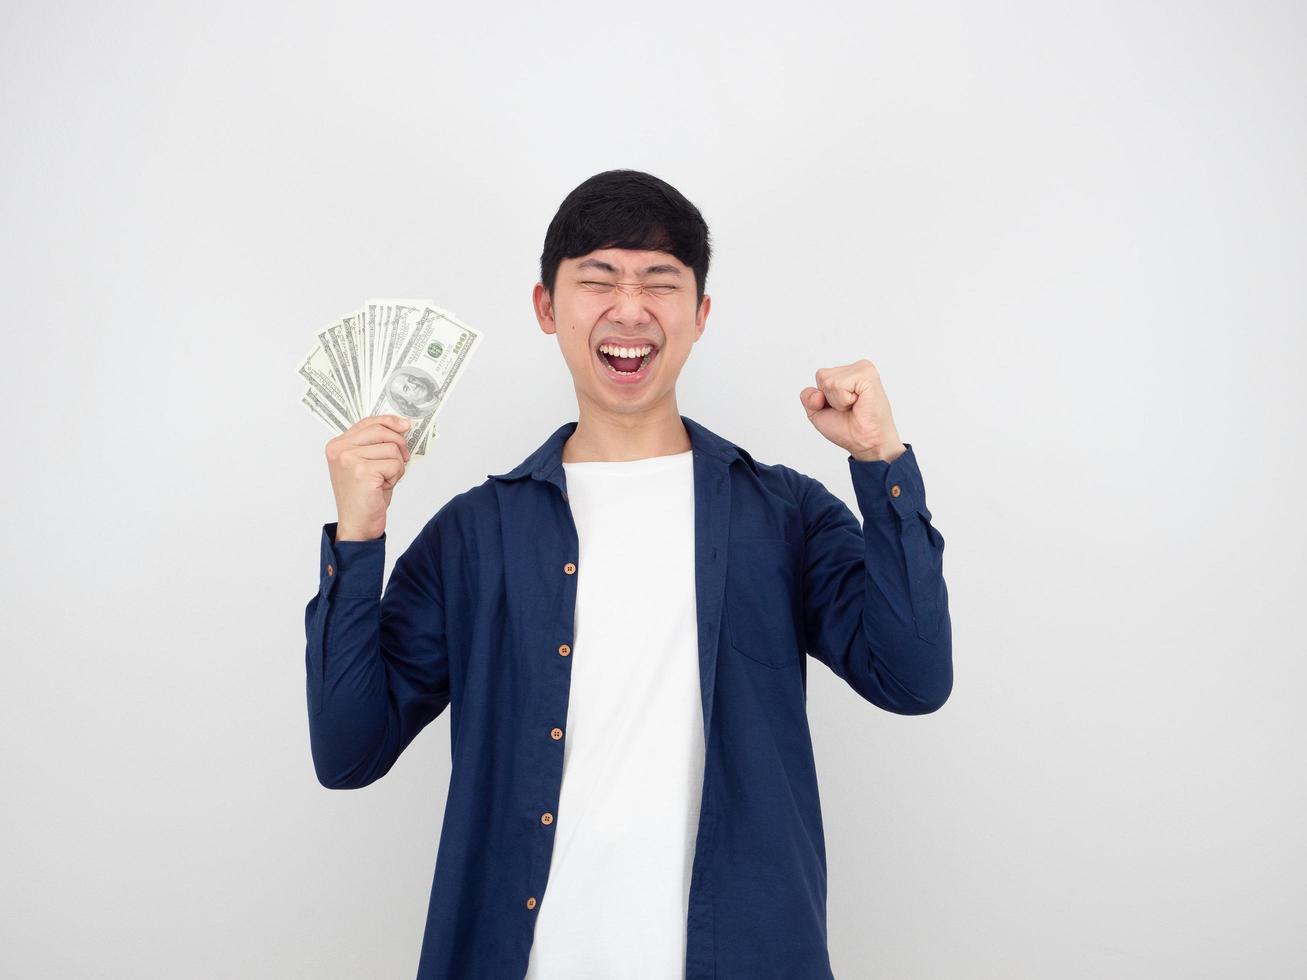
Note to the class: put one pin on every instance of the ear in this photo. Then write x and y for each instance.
(701, 319)
(543, 304)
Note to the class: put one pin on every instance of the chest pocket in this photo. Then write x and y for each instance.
(761, 596)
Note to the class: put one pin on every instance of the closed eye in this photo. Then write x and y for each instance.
(658, 288)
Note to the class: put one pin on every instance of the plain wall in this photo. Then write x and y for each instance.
(1071, 237)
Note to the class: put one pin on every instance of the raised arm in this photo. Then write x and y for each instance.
(875, 602)
(875, 605)
(377, 668)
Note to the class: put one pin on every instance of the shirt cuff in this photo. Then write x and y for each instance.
(885, 490)
(351, 568)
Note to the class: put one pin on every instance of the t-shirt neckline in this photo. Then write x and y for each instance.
(648, 462)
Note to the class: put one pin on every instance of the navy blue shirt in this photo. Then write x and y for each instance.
(478, 618)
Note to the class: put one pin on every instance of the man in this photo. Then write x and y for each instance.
(412, 391)
(620, 627)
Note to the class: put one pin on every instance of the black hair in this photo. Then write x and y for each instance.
(627, 209)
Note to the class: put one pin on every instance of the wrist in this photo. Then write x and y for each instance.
(346, 533)
(887, 455)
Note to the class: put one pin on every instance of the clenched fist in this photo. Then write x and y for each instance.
(849, 408)
(366, 461)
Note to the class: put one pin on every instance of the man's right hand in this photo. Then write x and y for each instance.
(366, 461)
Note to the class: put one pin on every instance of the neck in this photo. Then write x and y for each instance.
(605, 436)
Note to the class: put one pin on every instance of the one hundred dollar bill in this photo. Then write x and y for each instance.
(389, 357)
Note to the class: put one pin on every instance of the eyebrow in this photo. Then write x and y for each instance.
(648, 270)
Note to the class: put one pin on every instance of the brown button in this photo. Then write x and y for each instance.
(330, 570)
(531, 902)
(564, 650)
(569, 568)
(894, 491)
(555, 733)
(546, 818)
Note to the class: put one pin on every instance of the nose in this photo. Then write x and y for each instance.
(628, 309)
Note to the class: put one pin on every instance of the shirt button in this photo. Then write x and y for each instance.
(330, 570)
(564, 650)
(556, 734)
(894, 491)
(531, 902)
(546, 818)
(569, 568)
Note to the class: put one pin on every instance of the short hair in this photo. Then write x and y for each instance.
(627, 209)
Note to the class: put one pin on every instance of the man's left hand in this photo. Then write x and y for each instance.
(848, 406)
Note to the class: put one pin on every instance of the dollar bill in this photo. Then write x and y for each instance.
(388, 357)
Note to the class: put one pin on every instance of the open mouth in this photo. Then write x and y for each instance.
(629, 361)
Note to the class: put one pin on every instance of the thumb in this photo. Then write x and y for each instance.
(813, 400)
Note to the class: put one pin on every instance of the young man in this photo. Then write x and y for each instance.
(620, 627)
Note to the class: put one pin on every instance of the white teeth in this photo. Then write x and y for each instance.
(625, 351)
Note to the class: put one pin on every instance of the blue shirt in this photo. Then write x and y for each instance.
(478, 618)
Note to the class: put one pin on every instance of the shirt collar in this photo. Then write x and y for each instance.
(542, 464)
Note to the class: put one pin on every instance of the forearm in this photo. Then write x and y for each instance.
(349, 718)
(875, 607)
(905, 621)
(377, 664)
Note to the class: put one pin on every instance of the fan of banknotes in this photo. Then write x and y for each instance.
(389, 357)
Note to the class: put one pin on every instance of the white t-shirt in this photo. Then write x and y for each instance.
(614, 907)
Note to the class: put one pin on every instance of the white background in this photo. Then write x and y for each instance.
(1071, 236)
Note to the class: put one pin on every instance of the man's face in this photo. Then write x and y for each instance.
(588, 312)
(414, 389)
